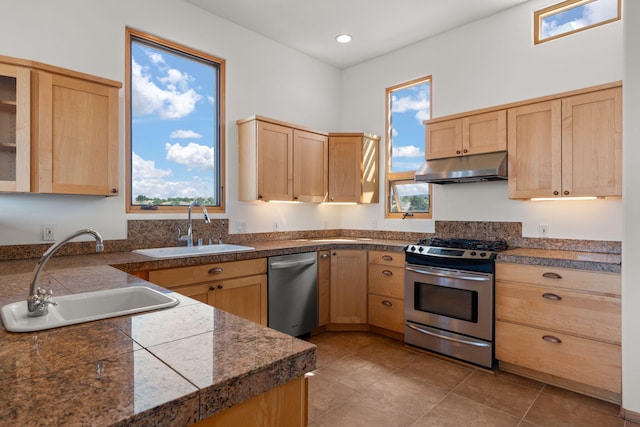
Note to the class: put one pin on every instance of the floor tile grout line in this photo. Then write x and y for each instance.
(532, 404)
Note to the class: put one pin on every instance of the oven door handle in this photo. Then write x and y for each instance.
(449, 274)
(456, 340)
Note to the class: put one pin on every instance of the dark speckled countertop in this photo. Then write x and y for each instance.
(135, 370)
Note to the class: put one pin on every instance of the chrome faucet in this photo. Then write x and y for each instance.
(39, 299)
(189, 236)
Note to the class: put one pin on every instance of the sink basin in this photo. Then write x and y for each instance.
(85, 307)
(185, 251)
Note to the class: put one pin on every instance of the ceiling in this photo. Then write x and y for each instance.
(377, 26)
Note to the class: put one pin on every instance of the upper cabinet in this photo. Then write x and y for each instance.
(461, 136)
(353, 168)
(61, 135)
(567, 147)
(15, 108)
(278, 161)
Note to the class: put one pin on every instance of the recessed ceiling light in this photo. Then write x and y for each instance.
(343, 38)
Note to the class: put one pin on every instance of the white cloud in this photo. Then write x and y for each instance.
(152, 182)
(193, 155)
(173, 99)
(185, 134)
(593, 13)
(417, 100)
(407, 151)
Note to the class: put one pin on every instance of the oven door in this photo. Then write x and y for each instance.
(451, 300)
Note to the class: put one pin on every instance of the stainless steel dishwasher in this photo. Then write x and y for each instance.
(293, 293)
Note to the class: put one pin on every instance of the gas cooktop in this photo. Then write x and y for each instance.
(458, 248)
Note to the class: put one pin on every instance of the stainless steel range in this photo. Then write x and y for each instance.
(449, 297)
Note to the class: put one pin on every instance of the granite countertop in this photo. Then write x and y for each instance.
(135, 370)
(167, 367)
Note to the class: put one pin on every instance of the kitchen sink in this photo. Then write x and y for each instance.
(85, 307)
(186, 251)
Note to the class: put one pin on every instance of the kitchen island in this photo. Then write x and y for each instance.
(168, 367)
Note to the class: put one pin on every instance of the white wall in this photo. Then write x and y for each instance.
(486, 63)
(631, 225)
(263, 77)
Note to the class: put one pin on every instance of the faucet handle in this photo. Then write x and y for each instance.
(45, 296)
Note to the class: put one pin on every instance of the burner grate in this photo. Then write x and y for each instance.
(483, 245)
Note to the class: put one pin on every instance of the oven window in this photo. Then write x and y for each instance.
(450, 302)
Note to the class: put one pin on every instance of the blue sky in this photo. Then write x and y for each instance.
(579, 17)
(409, 107)
(173, 113)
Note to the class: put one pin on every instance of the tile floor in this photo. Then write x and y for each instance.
(363, 379)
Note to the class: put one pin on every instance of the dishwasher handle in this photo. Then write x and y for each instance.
(277, 265)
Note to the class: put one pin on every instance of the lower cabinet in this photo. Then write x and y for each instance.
(348, 287)
(561, 326)
(239, 287)
(386, 290)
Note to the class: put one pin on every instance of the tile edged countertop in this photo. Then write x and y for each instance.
(166, 367)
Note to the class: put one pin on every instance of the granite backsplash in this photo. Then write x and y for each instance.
(161, 233)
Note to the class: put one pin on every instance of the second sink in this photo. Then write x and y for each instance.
(185, 251)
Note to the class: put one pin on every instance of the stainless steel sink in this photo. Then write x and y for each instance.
(85, 307)
(186, 251)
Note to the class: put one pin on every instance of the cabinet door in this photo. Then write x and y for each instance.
(324, 283)
(310, 166)
(201, 292)
(484, 133)
(443, 139)
(348, 286)
(245, 297)
(75, 147)
(534, 142)
(275, 162)
(345, 173)
(15, 136)
(592, 144)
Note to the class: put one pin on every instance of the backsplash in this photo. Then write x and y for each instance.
(160, 233)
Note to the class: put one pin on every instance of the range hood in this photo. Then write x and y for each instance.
(471, 168)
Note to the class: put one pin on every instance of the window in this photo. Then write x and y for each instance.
(571, 16)
(408, 104)
(175, 126)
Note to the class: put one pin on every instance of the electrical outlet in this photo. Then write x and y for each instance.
(241, 226)
(276, 227)
(49, 232)
(543, 230)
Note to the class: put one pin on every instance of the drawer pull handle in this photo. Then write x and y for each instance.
(387, 257)
(216, 270)
(551, 275)
(552, 339)
(212, 288)
(387, 303)
(387, 272)
(220, 286)
(549, 295)
(324, 256)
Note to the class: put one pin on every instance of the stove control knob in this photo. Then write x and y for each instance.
(473, 253)
(420, 249)
(483, 254)
(412, 248)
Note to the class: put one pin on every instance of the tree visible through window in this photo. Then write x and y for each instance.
(571, 16)
(174, 134)
(408, 104)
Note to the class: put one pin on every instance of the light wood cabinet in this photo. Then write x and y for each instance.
(353, 168)
(386, 290)
(560, 325)
(278, 161)
(15, 136)
(474, 134)
(324, 286)
(567, 147)
(348, 287)
(239, 287)
(66, 130)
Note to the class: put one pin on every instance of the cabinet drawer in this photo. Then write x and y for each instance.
(207, 272)
(587, 315)
(387, 258)
(387, 313)
(386, 280)
(590, 281)
(585, 361)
